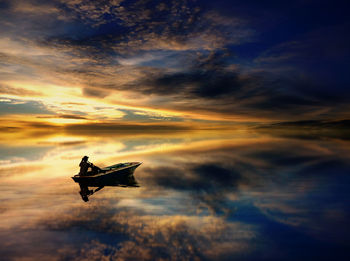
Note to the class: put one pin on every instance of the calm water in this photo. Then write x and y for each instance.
(201, 196)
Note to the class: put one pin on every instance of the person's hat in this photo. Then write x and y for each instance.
(85, 157)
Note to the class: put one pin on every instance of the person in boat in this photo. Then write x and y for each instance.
(84, 166)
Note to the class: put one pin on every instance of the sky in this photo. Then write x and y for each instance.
(171, 64)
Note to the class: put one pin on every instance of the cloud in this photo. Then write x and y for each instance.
(143, 25)
(63, 116)
(94, 93)
(23, 153)
(108, 128)
(12, 106)
(207, 78)
(19, 170)
(169, 237)
(211, 84)
(17, 91)
(167, 55)
(35, 8)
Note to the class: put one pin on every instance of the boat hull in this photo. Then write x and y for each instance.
(112, 176)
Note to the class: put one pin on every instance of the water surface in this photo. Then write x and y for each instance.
(204, 195)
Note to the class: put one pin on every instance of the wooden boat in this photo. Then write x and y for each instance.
(109, 174)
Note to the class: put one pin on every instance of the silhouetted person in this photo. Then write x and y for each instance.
(84, 166)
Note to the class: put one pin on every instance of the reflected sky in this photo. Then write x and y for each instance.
(206, 195)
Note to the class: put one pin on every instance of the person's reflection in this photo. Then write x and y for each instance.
(85, 192)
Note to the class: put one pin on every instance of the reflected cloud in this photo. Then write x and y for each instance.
(209, 195)
(149, 237)
(313, 129)
(208, 183)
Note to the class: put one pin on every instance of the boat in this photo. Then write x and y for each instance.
(110, 174)
(121, 174)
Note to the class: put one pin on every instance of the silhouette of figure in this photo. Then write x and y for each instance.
(84, 166)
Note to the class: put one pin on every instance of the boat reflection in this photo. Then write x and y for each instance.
(88, 187)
